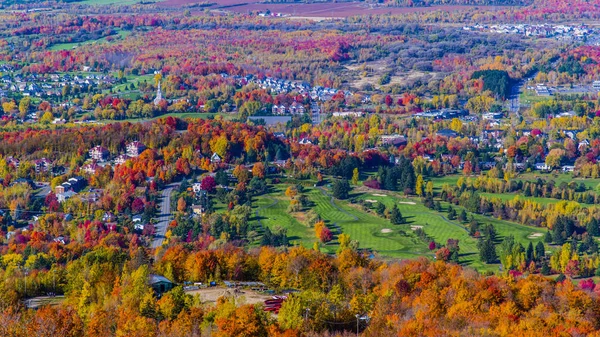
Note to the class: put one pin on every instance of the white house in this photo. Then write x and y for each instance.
(99, 153)
(134, 149)
(542, 167)
(215, 158)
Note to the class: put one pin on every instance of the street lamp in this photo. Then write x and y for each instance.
(357, 317)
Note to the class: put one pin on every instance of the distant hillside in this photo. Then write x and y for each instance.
(423, 3)
(427, 3)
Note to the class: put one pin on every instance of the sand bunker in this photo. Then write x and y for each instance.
(379, 195)
(414, 227)
(371, 201)
(535, 235)
(407, 202)
(386, 230)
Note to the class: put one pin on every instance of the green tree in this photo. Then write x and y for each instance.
(540, 251)
(396, 217)
(487, 251)
(592, 227)
(341, 189)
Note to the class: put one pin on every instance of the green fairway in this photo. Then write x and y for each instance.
(378, 234)
(68, 46)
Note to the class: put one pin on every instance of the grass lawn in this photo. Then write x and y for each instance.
(396, 241)
(68, 46)
(437, 226)
(340, 218)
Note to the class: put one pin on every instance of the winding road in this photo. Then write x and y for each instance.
(164, 217)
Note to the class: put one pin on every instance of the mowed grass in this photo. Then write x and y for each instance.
(68, 46)
(437, 226)
(361, 226)
(397, 241)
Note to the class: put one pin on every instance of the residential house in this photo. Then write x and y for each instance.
(60, 189)
(65, 196)
(447, 133)
(121, 159)
(542, 167)
(568, 168)
(197, 209)
(77, 183)
(215, 158)
(196, 188)
(134, 149)
(90, 168)
(99, 153)
(395, 140)
(297, 109)
(42, 165)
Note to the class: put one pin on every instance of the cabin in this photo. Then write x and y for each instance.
(160, 284)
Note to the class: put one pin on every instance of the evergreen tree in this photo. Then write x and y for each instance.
(407, 175)
(454, 257)
(451, 213)
(267, 238)
(221, 178)
(545, 269)
(490, 232)
(473, 227)
(548, 237)
(487, 251)
(341, 189)
(396, 217)
(558, 232)
(462, 217)
(540, 251)
(529, 253)
(380, 209)
(592, 227)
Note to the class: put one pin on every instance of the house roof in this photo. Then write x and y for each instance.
(154, 279)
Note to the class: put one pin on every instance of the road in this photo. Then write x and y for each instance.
(164, 217)
(44, 189)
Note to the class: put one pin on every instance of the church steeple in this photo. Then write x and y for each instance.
(158, 95)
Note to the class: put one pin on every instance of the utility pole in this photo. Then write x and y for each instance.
(357, 317)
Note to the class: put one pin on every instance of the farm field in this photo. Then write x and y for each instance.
(333, 10)
(378, 234)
